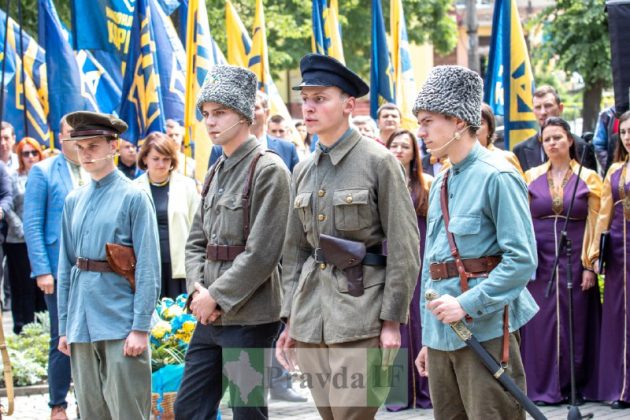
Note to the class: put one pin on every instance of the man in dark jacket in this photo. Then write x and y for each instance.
(530, 152)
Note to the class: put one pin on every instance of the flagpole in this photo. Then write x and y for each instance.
(22, 67)
(4, 59)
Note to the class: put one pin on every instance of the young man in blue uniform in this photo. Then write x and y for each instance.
(487, 204)
(104, 318)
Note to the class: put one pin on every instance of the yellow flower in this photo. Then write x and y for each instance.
(160, 329)
(189, 327)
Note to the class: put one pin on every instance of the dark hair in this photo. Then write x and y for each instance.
(162, 144)
(620, 152)
(559, 122)
(488, 116)
(277, 119)
(419, 194)
(545, 90)
(389, 106)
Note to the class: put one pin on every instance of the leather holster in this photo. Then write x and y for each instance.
(123, 261)
(347, 256)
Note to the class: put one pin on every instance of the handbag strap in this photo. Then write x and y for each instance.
(464, 276)
(8, 373)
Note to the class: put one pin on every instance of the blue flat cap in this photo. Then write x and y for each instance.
(322, 70)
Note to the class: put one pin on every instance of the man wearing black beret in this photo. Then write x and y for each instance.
(344, 307)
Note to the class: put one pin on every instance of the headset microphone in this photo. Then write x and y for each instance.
(456, 136)
(106, 157)
(216, 136)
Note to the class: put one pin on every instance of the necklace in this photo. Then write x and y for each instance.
(625, 199)
(558, 192)
(160, 184)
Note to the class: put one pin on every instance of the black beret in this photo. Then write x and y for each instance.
(322, 70)
(86, 125)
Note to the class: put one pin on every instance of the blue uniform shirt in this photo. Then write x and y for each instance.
(489, 215)
(97, 306)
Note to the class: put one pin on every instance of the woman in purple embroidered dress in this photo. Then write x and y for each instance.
(614, 216)
(403, 144)
(545, 339)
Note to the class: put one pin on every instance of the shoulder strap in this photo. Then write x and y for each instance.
(464, 276)
(206, 185)
(246, 200)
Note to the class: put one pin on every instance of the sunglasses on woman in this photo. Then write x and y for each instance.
(27, 153)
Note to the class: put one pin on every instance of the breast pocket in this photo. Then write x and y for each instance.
(229, 209)
(465, 225)
(302, 205)
(352, 209)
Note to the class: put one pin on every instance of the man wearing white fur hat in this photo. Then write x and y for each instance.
(481, 270)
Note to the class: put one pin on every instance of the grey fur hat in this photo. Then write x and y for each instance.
(454, 91)
(234, 87)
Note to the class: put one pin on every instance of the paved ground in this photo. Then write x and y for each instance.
(35, 407)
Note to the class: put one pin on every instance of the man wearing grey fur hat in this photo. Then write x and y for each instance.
(232, 254)
(479, 225)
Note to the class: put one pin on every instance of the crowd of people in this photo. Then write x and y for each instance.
(250, 246)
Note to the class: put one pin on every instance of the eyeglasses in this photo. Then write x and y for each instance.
(28, 153)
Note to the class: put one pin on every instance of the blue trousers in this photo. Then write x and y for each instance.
(58, 363)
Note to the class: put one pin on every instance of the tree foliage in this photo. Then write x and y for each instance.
(576, 39)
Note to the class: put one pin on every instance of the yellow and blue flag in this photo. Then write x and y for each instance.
(26, 87)
(103, 25)
(326, 38)
(404, 83)
(239, 44)
(202, 53)
(381, 71)
(68, 88)
(509, 84)
(258, 62)
(141, 106)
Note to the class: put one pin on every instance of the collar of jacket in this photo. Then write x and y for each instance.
(239, 154)
(469, 159)
(337, 153)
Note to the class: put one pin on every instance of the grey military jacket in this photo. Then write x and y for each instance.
(357, 191)
(247, 289)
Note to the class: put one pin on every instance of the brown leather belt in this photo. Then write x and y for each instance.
(85, 264)
(478, 267)
(223, 252)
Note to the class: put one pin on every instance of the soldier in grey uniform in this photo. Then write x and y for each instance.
(352, 192)
(234, 247)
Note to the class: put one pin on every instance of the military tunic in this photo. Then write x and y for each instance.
(356, 191)
(247, 289)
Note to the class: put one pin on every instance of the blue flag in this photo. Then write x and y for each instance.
(104, 88)
(381, 71)
(171, 59)
(112, 64)
(68, 90)
(26, 98)
(509, 84)
(141, 106)
(102, 25)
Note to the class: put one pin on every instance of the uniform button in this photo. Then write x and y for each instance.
(321, 217)
(214, 235)
(349, 199)
(479, 313)
(321, 193)
(322, 266)
(220, 191)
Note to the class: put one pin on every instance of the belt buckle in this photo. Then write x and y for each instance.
(318, 255)
(81, 260)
